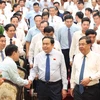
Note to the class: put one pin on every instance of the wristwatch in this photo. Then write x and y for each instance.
(90, 78)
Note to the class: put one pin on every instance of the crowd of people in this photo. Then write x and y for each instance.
(60, 43)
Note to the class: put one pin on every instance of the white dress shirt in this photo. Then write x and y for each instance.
(95, 48)
(92, 68)
(35, 39)
(57, 67)
(74, 44)
(18, 43)
(55, 22)
(20, 35)
(10, 72)
(38, 47)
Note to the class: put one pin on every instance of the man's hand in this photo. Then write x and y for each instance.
(29, 84)
(71, 63)
(71, 92)
(64, 94)
(1, 80)
(85, 81)
(31, 66)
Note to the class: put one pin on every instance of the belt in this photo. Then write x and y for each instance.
(92, 86)
(50, 83)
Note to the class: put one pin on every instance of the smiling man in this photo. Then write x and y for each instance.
(50, 67)
(85, 72)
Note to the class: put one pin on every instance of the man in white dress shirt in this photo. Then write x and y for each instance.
(92, 35)
(48, 31)
(85, 72)
(54, 20)
(9, 67)
(35, 39)
(85, 23)
(10, 39)
(50, 67)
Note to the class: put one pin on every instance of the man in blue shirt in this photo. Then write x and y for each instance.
(64, 36)
(31, 14)
(33, 31)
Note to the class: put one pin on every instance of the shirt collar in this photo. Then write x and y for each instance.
(87, 54)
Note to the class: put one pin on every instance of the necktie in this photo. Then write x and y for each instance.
(69, 38)
(51, 19)
(81, 88)
(15, 35)
(2, 55)
(47, 73)
(10, 41)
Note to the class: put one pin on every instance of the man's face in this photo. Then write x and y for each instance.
(45, 18)
(21, 3)
(46, 45)
(96, 19)
(93, 3)
(42, 26)
(2, 43)
(83, 46)
(16, 55)
(98, 2)
(69, 22)
(3, 5)
(56, 5)
(85, 25)
(11, 32)
(52, 11)
(36, 8)
(38, 21)
(15, 21)
(87, 13)
(17, 8)
(92, 37)
(49, 34)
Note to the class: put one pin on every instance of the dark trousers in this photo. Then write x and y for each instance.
(90, 93)
(67, 62)
(49, 91)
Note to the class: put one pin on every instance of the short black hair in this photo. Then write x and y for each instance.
(85, 19)
(37, 16)
(68, 17)
(17, 14)
(45, 14)
(10, 49)
(45, 22)
(80, 2)
(80, 14)
(9, 25)
(88, 9)
(90, 31)
(96, 11)
(51, 39)
(97, 14)
(14, 6)
(2, 2)
(56, 3)
(20, 1)
(35, 4)
(88, 40)
(1, 35)
(48, 29)
(14, 17)
(44, 9)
